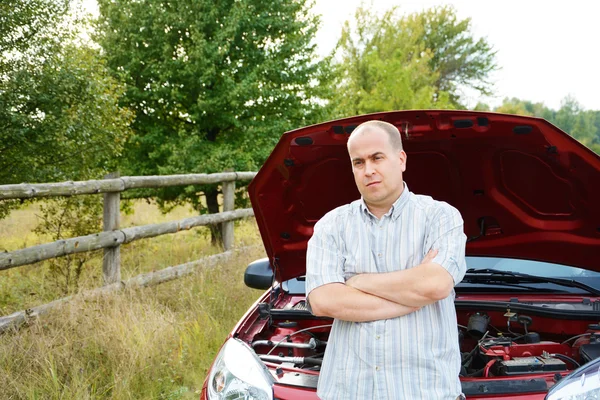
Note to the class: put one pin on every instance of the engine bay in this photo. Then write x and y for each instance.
(493, 343)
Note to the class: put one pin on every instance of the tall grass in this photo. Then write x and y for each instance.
(154, 343)
(31, 285)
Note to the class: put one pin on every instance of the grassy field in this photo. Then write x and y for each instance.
(155, 343)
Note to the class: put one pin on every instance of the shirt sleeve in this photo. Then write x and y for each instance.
(324, 260)
(448, 238)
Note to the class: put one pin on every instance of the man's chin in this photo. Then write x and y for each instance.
(374, 200)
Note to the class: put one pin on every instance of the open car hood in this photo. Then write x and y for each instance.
(525, 188)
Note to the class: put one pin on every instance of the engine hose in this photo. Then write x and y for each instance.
(477, 373)
(293, 360)
(297, 332)
(566, 358)
(312, 344)
(575, 337)
(486, 369)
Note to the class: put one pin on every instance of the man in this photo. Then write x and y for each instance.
(384, 267)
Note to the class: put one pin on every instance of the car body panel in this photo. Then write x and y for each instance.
(526, 191)
(520, 183)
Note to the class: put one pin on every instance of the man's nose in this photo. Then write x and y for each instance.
(369, 168)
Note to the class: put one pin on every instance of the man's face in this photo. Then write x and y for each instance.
(377, 167)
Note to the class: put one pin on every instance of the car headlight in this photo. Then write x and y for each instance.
(238, 374)
(581, 384)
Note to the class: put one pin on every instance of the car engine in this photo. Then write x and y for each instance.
(287, 343)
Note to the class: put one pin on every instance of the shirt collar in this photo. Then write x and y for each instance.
(396, 208)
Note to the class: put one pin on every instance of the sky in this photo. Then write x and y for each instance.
(546, 49)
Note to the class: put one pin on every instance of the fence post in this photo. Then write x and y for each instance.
(228, 205)
(111, 262)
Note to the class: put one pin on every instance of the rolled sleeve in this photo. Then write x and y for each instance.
(448, 238)
(324, 261)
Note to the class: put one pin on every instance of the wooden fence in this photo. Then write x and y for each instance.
(112, 236)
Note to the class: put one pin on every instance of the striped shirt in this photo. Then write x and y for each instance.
(412, 357)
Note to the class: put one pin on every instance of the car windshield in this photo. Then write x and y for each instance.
(530, 267)
(537, 268)
(479, 265)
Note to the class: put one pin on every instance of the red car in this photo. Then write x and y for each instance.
(528, 308)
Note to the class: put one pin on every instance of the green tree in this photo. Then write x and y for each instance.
(213, 84)
(571, 118)
(422, 60)
(60, 119)
(579, 123)
(28, 29)
(480, 106)
(525, 107)
(59, 113)
(459, 60)
(596, 117)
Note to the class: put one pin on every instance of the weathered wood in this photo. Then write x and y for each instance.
(147, 231)
(18, 318)
(132, 182)
(60, 248)
(171, 273)
(14, 320)
(111, 261)
(103, 240)
(228, 205)
(27, 190)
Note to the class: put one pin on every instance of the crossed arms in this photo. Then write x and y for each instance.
(376, 296)
(369, 297)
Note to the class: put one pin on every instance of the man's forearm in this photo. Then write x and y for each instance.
(343, 302)
(417, 287)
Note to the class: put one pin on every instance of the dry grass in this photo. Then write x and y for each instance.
(155, 343)
(31, 285)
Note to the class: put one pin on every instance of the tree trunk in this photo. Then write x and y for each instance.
(216, 233)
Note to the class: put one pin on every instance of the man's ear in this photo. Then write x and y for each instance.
(402, 155)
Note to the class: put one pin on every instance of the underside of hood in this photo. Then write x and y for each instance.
(525, 188)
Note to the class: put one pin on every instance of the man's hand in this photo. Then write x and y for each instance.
(429, 256)
(354, 280)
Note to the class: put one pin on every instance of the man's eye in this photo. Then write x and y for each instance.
(357, 163)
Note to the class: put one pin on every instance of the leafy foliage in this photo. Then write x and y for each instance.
(422, 60)
(459, 59)
(213, 84)
(63, 218)
(59, 117)
(28, 29)
(583, 125)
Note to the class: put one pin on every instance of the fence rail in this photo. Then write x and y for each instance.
(16, 319)
(112, 236)
(31, 190)
(103, 240)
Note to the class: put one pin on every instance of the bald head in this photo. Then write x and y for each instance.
(374, 125)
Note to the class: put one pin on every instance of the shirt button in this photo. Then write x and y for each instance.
(379, 254)
(376, 368)
(377, 337)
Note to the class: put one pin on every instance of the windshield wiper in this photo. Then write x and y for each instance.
(495, 275)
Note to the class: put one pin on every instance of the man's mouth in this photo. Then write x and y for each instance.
(373, 183)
